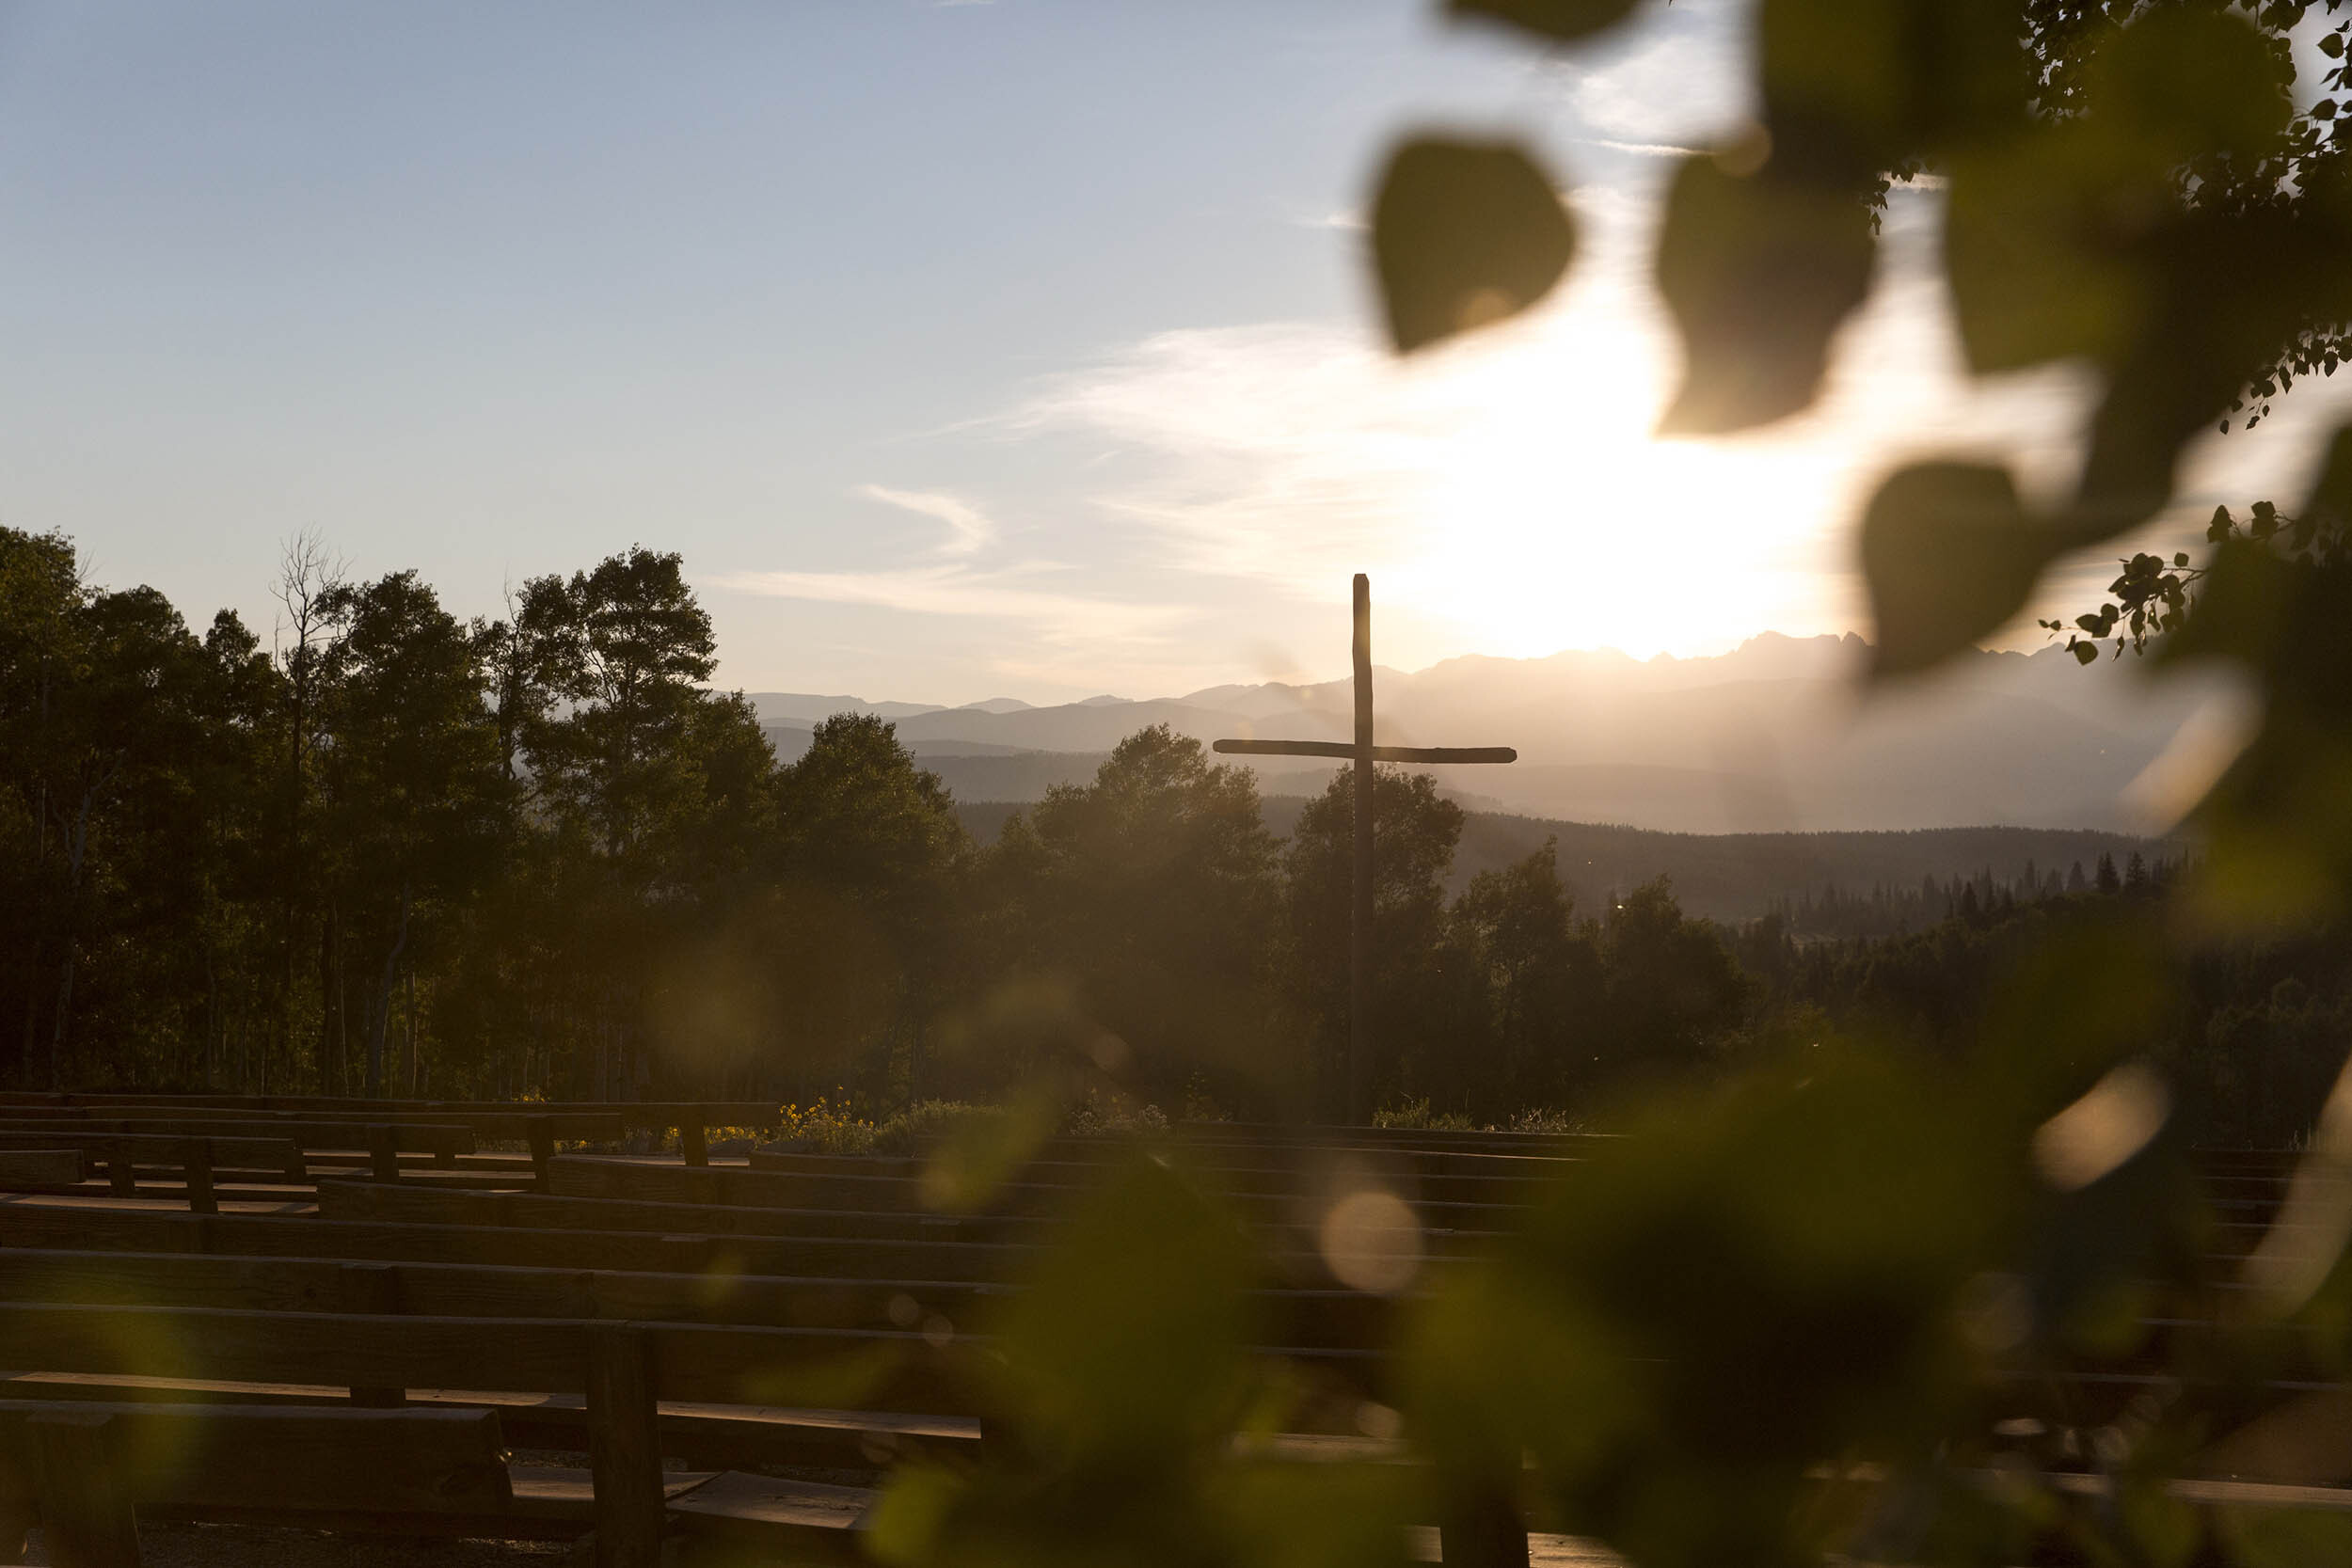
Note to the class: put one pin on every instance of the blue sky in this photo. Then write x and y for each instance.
(972, 349)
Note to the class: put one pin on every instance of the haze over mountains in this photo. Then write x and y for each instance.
(1772, 737)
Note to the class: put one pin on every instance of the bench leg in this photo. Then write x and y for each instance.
(691, 1146)
(624, 1446)
(383, 1153)
(197, 1163)
(87, 1520)
(542, 1134)
(120, 1179)
(373, 1288)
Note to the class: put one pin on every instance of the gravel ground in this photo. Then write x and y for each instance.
(244, 1547)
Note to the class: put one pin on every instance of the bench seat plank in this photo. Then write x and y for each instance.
(290, 1457)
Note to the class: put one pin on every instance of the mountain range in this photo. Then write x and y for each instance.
(1777, 735)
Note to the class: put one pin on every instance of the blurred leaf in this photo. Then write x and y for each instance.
(2207, 323)
(908, 1522)
(1949, 556)
(1120, 1383)
(2284, 1537)
(1464, 234)
(2181, 82)
(1565, 21)
(1855, 87)
(2278, 840)
(2057, 1016)
(2032, 277)
(1742, 1289)
(1120, 1344)
(2163, 1527)
(1320, 1515)
(1757, 273)
(979, 1154)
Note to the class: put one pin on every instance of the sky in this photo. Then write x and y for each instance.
(964, 350)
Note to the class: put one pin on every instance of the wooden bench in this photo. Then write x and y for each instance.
(194, 1159)
(441, 1141)
(508, 1120)
(86, 1472)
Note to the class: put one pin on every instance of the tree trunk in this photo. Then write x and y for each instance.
(65, 1011)
(409, 1017)
(380, 1014)
(329, 1067)
(77, 845)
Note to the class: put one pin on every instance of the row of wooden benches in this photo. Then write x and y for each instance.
(194, 1303)
(949, 1269)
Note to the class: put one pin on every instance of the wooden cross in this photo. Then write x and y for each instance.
(1363, 754)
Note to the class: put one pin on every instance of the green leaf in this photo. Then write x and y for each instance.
(1463, 234)
(2285, 1537)
(979, 1154)
(1854, 88)
(2181, 82)
(1758, 272)
(1950, 555)
(2085, 653)
(2033, 276)
(1565, 21)
(2207, 322)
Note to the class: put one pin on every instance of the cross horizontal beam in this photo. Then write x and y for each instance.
(1349, 752)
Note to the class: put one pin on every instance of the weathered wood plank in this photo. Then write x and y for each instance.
(1244, 1172)
(1324, 1318)
(534, 1211)
(296, 1457)
(427, 1138)
(723, 1188)
(297, 1347)
(41, 1166)
(728, 1364)
(506, 1117)
(275, 1235)
(158, 1149)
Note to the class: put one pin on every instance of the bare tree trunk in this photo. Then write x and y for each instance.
(77, 848)
(32, 1015)
(65, 1011)
(409, 1016)
(380, 1014)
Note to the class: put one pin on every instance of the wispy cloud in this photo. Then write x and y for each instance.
(1050, 617)
(953, 582)
(968, 531)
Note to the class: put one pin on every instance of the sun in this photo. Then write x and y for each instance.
(1551, 517)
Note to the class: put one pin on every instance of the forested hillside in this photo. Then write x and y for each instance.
(1827, 883)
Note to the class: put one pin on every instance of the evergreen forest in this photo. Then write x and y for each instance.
(395, 853)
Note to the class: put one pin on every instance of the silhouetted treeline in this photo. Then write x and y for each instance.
(535, 854)
(2253, 1034)
(1883, 911)
(391, 851)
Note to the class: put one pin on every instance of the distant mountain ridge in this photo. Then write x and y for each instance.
(1773, 737)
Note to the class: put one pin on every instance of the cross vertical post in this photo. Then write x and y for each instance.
(1363, 754)
(1360, 908)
